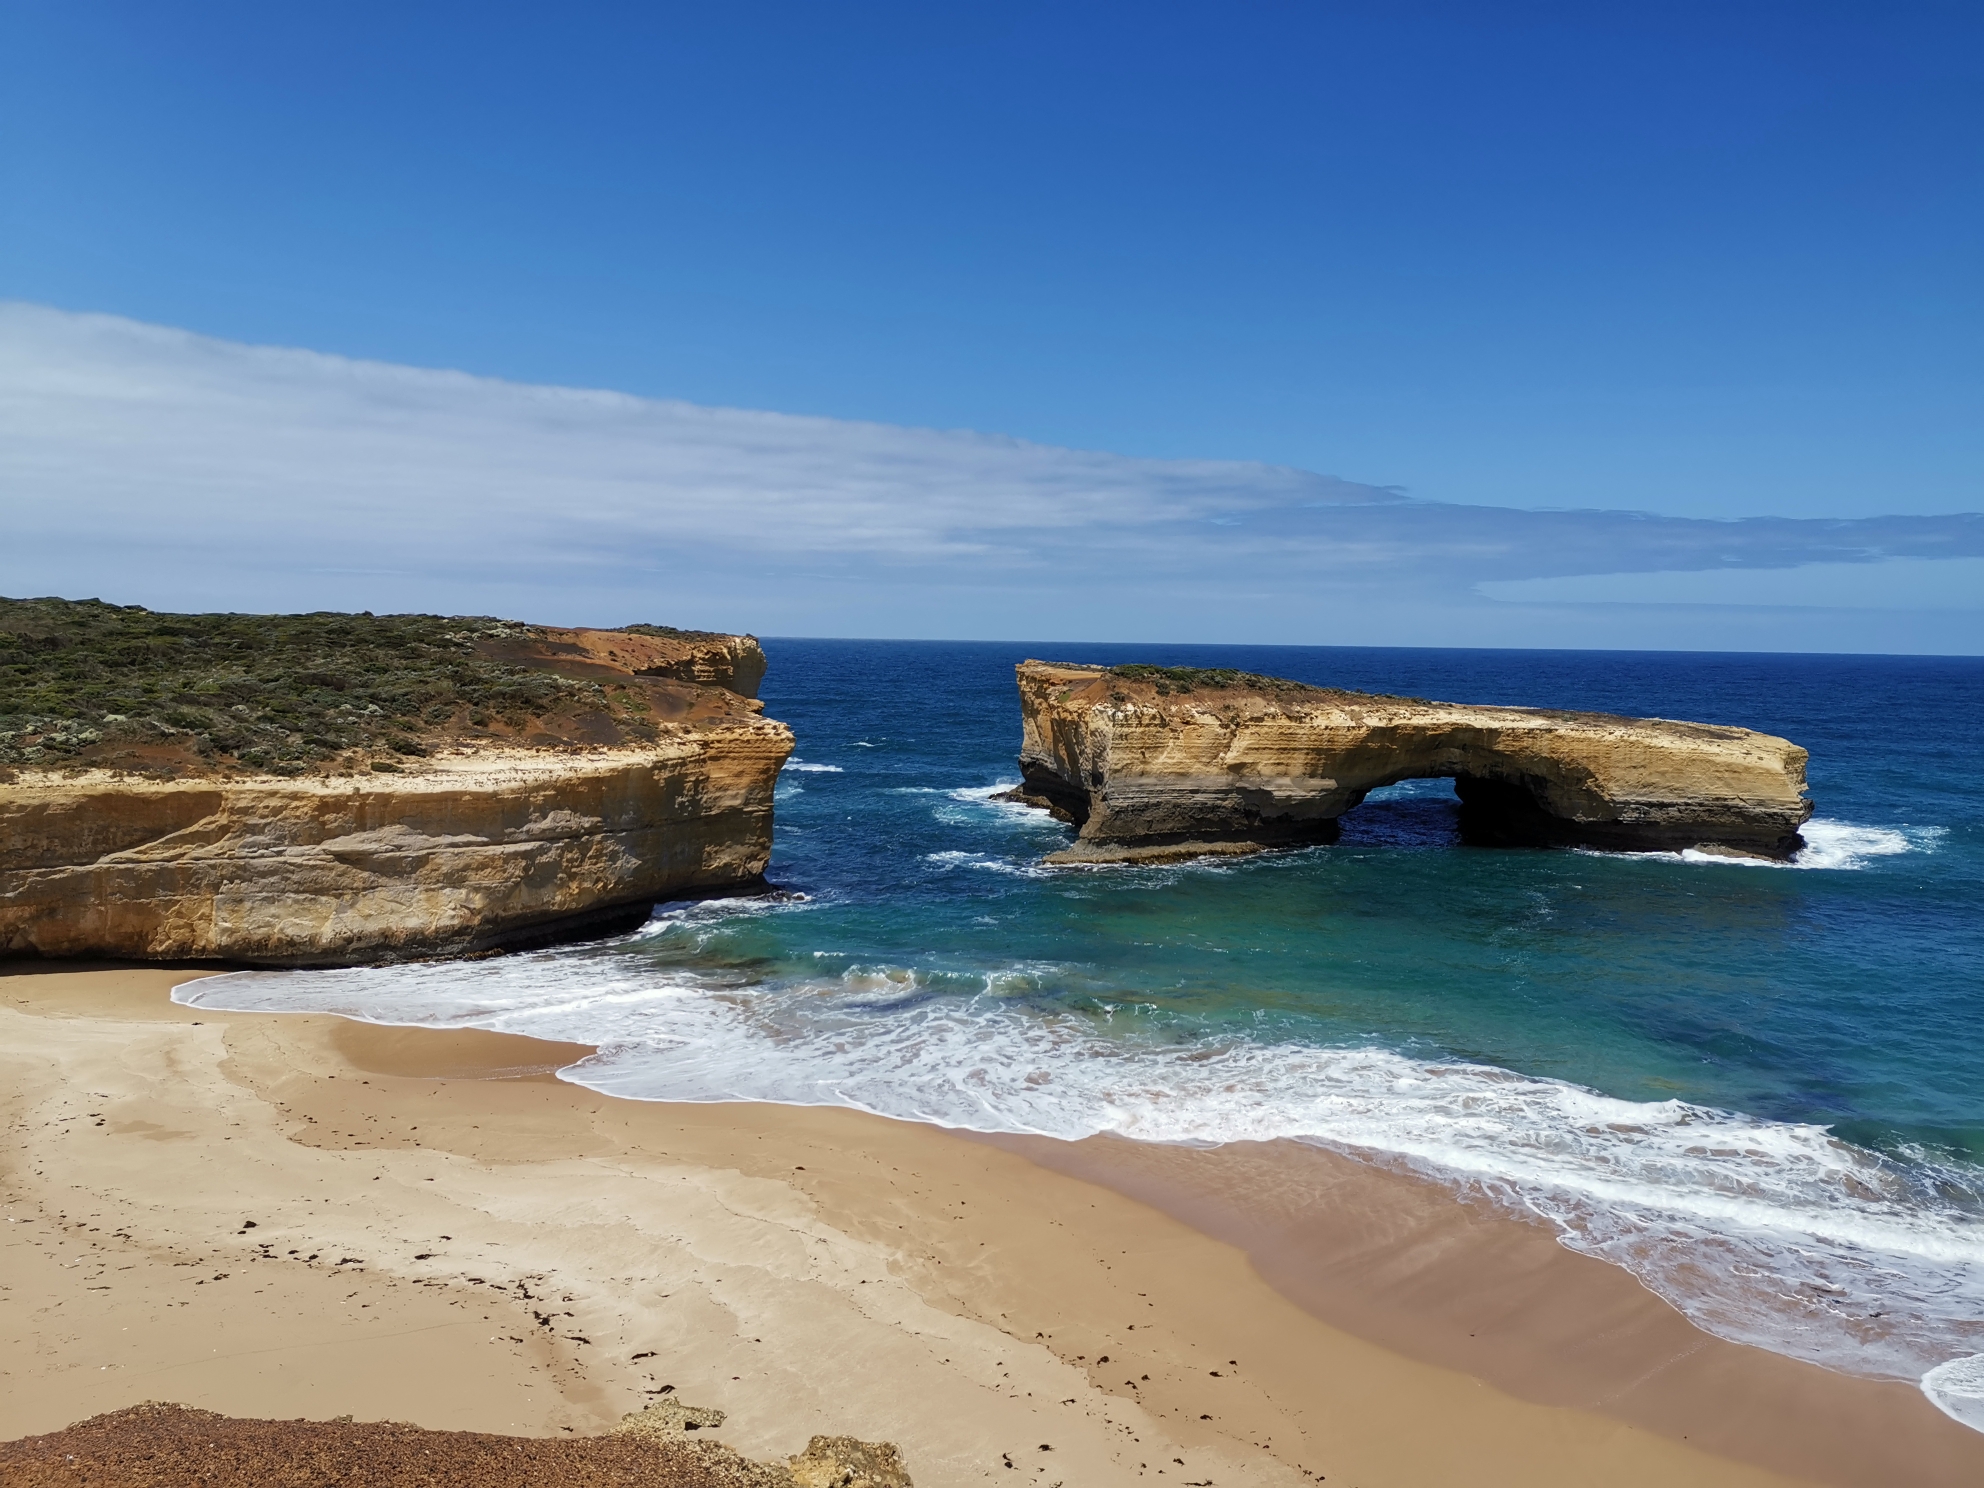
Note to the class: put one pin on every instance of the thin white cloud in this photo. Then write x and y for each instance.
(152, 464)
(118, 415)
(1900, 583)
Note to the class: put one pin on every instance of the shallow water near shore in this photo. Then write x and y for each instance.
(1758, 1087)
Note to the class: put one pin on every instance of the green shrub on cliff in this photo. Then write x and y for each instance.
(278, 693)
(1168, 680)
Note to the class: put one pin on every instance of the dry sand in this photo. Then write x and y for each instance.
(443, 1233)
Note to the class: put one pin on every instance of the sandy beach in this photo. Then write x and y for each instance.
(283, 1216)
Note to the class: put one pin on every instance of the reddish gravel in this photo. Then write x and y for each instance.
(174, 1446)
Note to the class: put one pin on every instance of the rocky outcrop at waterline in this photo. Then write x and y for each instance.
(1164, 763)
(326, 789)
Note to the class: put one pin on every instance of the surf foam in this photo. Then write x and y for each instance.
(1957, 1390)
(1828, 845)
(1769, 1233)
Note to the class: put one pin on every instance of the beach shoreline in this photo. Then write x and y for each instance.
(423, 1201)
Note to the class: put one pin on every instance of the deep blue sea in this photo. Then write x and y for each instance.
(1760, 1088)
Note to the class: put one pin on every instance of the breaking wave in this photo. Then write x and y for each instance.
(1769, 1233)
(1828, 845)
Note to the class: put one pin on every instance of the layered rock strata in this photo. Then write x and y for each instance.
(736, 663)
(1154, 765)
(642, 780)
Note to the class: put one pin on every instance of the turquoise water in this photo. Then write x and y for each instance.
(1760, 1088)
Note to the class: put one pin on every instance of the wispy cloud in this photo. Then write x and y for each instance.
(149, 463)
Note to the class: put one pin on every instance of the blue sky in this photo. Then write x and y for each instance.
(1708, 261)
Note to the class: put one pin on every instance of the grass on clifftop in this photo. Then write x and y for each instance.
(1177, 679)
(1168, 680)
(84, 682)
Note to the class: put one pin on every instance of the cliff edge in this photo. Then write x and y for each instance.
(1159, 763)
(326, 789)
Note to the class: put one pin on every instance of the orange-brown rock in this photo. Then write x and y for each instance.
(735, 663)
(1156, 764)
(652, 779)
(457, 854)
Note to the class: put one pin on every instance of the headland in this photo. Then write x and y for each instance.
(327, 789)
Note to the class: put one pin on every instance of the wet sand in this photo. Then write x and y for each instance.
(1405, 1263)
(445, 1234)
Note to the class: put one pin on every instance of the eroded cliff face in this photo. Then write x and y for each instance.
(1151, 770)
(733, 662)
(644, 771)
(466, 853)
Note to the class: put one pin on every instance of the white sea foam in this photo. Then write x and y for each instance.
(981, 795)
(1835, 844)
(1770, 1233)
(1957, 1390)
(981, 803)
(815, 769)
(723, 910)
(1828, 844)
(988, 862)
(974, 805)
(700, 918)
(1832, 844)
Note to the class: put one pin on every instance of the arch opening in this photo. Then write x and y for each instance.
(1418, 811)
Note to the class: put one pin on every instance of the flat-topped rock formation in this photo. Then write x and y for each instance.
(1164, 763)
(326, 789)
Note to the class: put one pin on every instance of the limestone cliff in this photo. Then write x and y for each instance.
(452, 792)
(734, 663)
(1154, 764)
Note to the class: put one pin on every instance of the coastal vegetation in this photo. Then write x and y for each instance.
(89, 683)
(1184, 680)
(1169, 679)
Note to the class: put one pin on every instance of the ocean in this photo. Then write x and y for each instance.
(1759, 1088)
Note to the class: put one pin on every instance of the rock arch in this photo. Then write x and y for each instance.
(1154, 763)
